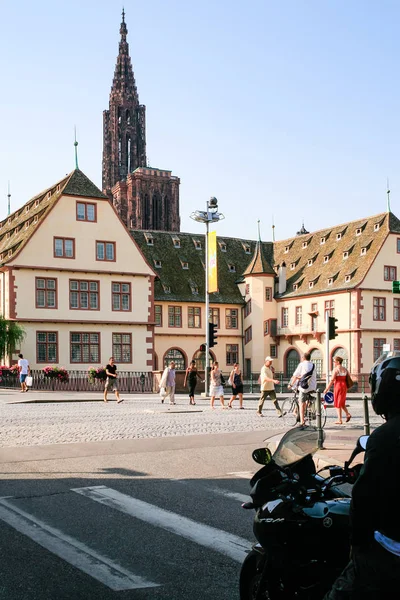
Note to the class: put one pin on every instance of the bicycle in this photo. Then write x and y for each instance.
(291, 411)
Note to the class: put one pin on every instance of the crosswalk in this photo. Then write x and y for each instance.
(46, 531)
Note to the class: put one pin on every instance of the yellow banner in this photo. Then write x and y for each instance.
(212, 262)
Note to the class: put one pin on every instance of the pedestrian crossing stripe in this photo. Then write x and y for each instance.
(220, 541)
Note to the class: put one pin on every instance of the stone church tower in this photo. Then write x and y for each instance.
(145, 197)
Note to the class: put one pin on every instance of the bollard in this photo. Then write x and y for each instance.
(367, 428)
(318, 418)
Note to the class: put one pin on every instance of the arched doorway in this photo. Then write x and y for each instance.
(317, 359)
(343, 354)
(177, 356)
(292, 360)
(200, 357)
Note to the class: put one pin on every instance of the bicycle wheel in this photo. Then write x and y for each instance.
(289, 416)
(311, 414)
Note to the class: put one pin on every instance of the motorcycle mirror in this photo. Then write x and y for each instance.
(363, 441)
(262, 456)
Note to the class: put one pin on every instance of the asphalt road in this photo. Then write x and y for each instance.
(137, 519)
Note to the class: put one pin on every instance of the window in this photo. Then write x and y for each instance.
(376, 227)
(176, 242)
(122, 347)
(266, 327)
(314, 309)
(232, 354)
(396, 344)
(330, 307)
(121, 296)
(285, 317)
(247, 289)
(396, 309)
(174, 316)
(84, 295)
(46, 292)
(197, 244)
(273, 351)
(85, 347)
(363, 251)
(378, 347)
(158, 315)
(304, 245)
(247, 248)
(222, 245)
(389, 273)
(248, 334)
(185, 265)
(86, 211)
(47, 347)
(231, 268)
(316, 358)
(177, 357)
(194, 317)
(330, 281)
(347, 278)
(295, 287)
(398, 245)
(358, 231)
(310, 262)
(299, 315)
(338, 236)
(345, 255)
(149, 239)
(194, 289)
(231, 318)
(311, 284)
(322, 241)
(64, 247)
(105, 251)
(166, 288)
(379, 309)
(247, 308)
(157, 264)
(286, 249)
(268, 294)
(273, 327)
(213, 316)
(292, 266)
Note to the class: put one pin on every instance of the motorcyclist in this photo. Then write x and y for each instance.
(374, 568)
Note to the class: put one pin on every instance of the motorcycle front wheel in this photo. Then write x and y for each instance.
(250, 577)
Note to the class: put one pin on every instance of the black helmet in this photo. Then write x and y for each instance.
(384, 380)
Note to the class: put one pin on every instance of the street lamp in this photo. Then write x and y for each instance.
(210, 215)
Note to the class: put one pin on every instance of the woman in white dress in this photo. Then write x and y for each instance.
(216, 387)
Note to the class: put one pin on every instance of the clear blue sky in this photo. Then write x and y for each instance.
(282, 109)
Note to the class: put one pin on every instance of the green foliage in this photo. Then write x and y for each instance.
(99, 373)
(11, 336)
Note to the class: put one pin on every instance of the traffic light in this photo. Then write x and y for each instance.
(332, 327)
(202, 347)
(212, 334)
(396, 287)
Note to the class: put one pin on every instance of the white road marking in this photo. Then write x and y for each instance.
(242, 474)
(219, 491)
(225, 543)
(77, 554)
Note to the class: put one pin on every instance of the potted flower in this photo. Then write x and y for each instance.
(96, 373)
(58, 373)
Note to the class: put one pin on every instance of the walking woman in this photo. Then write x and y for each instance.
(191, 380)
(339, 381)
(237, 385)
(216, 387)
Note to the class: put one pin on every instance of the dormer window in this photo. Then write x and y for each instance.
(247, 248)
(36, 219)
(363, 251)
(326, 258)
(338, 236)
(27, 208)
(167, 289)
(8, 235)
(26, 224)
(347, 278)
(16, 230)
(330, 281)
(48, 195)
(58, 188)
(304, 245)
(358, 231)
(376, 226)
(176, 242)
(292, 266)
(149, 239)
(197, 244)
(310, 284)
(16, 215)
(9, 221)
(185, 265)
(194, 288)
(232, 268)
(295, 287)
(310, 262)
(286, 249)
(345, 255)
(157, 264)
(322, 240)
(222, 245)
(10, 253)
(37, 202)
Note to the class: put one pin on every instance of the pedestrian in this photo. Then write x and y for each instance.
(305, 378)
(24, 371)
(236, 381)
(267, 383)
(374, 567)
(216, 387)
(191, 379)
(111, 381)
(339, 381)
(168, 383)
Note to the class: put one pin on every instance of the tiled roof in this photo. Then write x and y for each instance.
(17, 228)
(188, 285)
(333, 259)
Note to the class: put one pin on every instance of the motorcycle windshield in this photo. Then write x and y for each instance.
(294, 445)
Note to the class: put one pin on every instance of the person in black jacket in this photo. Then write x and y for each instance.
(373, 572)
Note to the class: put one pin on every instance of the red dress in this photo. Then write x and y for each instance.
(340, 391)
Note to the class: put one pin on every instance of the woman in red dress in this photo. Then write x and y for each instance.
(339, 381)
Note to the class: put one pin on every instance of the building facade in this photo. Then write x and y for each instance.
(145, 197)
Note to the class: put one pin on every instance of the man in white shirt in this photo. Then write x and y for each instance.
(306, 367)
(24, 370)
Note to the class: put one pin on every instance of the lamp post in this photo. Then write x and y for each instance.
(241, 283)
(210, 215)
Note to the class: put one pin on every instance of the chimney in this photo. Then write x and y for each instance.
(282, 278)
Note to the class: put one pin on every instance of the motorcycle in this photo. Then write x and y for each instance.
(301, 523)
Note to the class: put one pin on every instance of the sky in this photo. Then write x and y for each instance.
(287, 111)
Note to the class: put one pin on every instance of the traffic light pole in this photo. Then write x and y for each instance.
(327, 346)
(207, 299)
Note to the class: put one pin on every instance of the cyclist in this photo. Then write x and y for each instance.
(305, 380)
(374, 569)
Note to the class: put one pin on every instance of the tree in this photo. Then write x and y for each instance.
(11, 335)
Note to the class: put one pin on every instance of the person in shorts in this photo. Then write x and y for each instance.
(305, 368)
(24, 370)
(111, 381)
